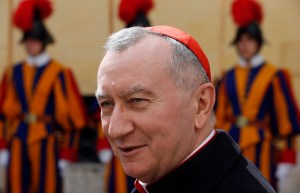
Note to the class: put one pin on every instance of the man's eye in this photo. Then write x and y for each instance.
(136, 100)
(105, 104)
(138, 103)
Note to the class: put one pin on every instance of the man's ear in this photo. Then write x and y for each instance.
(205, 102)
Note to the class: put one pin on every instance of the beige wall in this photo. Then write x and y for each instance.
(80, 28)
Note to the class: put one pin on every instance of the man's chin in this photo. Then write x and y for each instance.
(134, 170)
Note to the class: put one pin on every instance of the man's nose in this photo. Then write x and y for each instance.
(120, 124)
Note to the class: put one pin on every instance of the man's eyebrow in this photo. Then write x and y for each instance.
(133, 90)
(136, 89)
(100, 94)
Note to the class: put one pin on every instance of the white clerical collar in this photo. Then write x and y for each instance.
(39, 60)
(211, 135)
(143, 185)
(200, 146)
(255, 61)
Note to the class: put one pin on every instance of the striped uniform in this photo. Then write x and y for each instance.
(41, 113)
(256, 106)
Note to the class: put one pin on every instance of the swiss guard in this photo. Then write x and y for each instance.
(41, 111)
(255, 100)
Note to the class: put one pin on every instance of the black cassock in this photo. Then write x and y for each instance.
(218, 167)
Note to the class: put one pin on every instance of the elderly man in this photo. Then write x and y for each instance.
(156, 99)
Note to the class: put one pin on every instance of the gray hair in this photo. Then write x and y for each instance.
(185, 68)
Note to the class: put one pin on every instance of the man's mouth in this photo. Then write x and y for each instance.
(131, 149)
(127, 149)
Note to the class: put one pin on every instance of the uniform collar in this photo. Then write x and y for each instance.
(39, 60)
(256, 61)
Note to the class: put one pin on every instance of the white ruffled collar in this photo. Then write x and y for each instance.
(39, 60)
(256, 61)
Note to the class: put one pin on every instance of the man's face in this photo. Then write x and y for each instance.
(247, 47)
(33, 47)
(147, 119)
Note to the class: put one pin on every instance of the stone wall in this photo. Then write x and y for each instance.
(2, 179)
(84, 178)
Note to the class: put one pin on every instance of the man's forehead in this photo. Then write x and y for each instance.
(134, 66)
(108, 59)
(141, 55)
(107, 67)
(148, 45)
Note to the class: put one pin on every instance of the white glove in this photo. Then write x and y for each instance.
(63, 165)
(105, 155)
(4, 157)
(282, 171)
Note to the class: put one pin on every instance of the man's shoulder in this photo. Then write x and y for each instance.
(246, 178)
(63, 67)
(19, 63)
(57, 63)
(243, 176)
